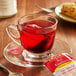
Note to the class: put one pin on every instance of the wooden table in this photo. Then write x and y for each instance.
(66, 31)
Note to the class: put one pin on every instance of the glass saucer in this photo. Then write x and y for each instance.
(17, 58)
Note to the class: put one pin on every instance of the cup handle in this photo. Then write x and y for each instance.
(11, 35)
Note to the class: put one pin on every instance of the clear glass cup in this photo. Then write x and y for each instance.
(36, 35)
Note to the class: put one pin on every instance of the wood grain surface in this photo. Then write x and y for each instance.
(66, 31)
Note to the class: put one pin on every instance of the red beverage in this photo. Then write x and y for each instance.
(36, 37)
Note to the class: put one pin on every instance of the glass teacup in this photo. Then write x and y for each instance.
(37, 34)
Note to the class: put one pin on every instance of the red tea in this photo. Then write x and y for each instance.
(37, 36)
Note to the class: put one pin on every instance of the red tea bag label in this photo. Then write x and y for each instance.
(69, 70)
(62, 65)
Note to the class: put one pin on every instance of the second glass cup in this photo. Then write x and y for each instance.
(37, 34)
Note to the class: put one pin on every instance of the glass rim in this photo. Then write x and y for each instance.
(56, 21)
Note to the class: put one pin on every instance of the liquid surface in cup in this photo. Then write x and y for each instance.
(36, 37)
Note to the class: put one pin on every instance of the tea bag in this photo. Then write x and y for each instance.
(62, 65)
